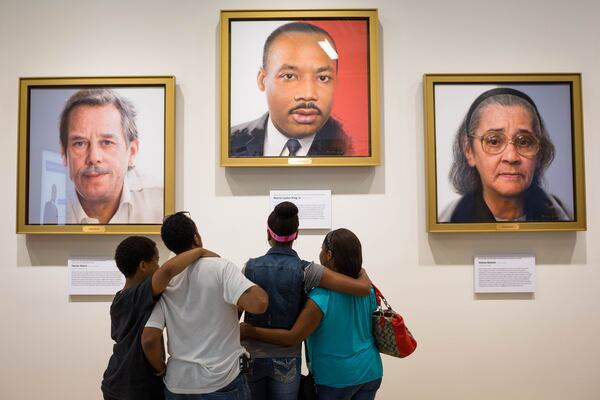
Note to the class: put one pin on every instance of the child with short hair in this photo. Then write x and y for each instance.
(129, 376)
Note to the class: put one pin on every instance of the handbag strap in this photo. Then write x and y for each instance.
(378, 294)
(380, 297)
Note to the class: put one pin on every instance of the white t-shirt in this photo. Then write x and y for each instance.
(200, 313)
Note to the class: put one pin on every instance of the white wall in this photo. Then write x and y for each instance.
(471, 347)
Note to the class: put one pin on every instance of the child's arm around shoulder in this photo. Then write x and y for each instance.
(306, 323)
(360, 286)
(176, 265)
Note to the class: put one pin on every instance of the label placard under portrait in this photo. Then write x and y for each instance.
(314, 206)
(94, 276)
(504, 274)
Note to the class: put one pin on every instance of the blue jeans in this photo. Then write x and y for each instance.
(236, 390)
(364, 391)
(275, 378)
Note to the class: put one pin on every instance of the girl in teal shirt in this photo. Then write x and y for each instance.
(341, 350)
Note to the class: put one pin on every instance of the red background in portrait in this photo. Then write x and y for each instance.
(351, 104)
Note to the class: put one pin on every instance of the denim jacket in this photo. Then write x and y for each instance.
(280, 273)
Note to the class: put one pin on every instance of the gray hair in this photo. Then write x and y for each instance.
(466, 179)
(99, 97)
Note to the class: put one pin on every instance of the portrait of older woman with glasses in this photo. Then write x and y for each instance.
(500, 154)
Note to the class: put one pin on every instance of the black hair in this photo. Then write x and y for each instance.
(346, 250)
(283, 220)
(178, 231)
(132, 251)
(301, 27)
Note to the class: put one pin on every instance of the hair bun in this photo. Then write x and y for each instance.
(286, 210)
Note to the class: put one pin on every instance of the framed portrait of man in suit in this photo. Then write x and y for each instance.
(299, 88)
(504, 152)
(96, 155)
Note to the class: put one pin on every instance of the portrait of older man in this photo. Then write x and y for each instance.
(299, 76)
(99, 143)
(500, 154)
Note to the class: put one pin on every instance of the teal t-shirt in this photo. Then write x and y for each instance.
(341, 350)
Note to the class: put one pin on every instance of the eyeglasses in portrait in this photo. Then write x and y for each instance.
(504, 152)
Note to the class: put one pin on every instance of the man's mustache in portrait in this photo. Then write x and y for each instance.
(306, 106)
(94, 170)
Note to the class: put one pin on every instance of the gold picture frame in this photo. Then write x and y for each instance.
(66, 169)
(547, 188)
(339, 132)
